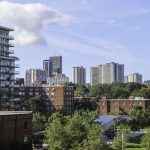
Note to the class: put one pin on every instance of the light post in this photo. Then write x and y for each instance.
(122, 139)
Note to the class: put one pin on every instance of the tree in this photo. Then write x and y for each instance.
(146, 141)
(74, 132)
(36, 104)
(143, 92)
(80, 90)
(121, 139)
(138, 117)
(39, 122)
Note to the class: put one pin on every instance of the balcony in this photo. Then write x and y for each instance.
(7, 51)
(3, 78)
(9, 65)
(9, 72)
(7, 44)
(7, 37)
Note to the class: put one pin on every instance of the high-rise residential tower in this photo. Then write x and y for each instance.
(107, 73)
(35, 75)
(56, 64)
(7, 66)
(48, 67)
(135, 77)
(79, 75)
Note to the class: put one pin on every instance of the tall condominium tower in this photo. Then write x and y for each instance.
(35, 75)
(107, 73)
(57, 64)
(79, 75)
(48, 67)
(7, 66)
(135, 77)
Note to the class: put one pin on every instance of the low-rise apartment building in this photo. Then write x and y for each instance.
(56, 97)
(115, 106)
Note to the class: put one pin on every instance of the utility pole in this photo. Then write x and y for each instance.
(122, 140)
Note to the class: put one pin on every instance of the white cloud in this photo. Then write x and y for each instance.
(29, 19)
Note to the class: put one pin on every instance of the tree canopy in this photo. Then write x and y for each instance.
(74, 132)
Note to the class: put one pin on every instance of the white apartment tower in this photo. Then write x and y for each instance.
(79, 75)
(35, 75)
(135, 77)
(107, 73)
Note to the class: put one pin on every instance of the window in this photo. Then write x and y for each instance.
(25, 125)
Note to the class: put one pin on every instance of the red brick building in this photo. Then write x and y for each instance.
(15, 128)
(55, 96)
(115, 106)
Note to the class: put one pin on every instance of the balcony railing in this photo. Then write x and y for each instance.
(7, 51)
(7, 37)
(9, 72)
(7, 44)
(9, 65)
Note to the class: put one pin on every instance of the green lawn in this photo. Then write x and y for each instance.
(135, 149)
(134, 144)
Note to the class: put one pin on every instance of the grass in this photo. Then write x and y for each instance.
(134, 144)
(135, 148)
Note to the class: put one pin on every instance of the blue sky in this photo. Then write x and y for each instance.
(84, 32)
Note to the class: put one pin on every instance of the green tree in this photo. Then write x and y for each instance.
(80, 90)
(138, 117)
(36, 104)
(39, 122)
(146, 141)
(143, 92)
(74, 132)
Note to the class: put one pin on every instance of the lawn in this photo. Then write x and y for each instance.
(134, 144)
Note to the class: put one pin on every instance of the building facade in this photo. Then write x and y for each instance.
(147, 82)
(56, 97)
(79, 75)
(48, 67)
(15, 129)
(107, 73)
(56, 64)
(95, 75)
(59, 79)
(116, 106)
(35, 75)
(135, 77)
(7, 66)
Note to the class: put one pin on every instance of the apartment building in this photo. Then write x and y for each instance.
(79, 75)
(56, 64)
(135, 77)
(35, 75)
(7, 66)
(56, 97)
(115, 106)
(107, 73)
(59, 79)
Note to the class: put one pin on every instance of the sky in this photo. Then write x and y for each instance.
(85, 32)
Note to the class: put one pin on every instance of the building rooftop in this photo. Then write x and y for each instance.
(8, 113)
(5, 28)
(125, 99)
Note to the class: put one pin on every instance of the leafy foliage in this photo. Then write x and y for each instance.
(146, 141)
(74, 132)
(117, 90)
(39, 122)
(36, 104)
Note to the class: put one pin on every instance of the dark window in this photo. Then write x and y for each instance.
(25, 125)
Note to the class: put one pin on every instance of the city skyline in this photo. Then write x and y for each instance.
(84, 33)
